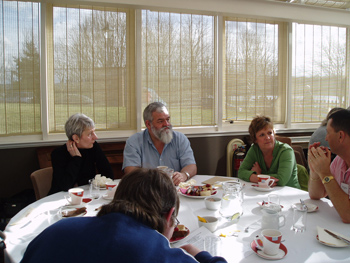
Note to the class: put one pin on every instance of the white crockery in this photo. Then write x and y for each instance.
(211, 224)
(212, 203)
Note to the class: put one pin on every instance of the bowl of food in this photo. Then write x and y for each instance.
(209, 222)
(212, 202)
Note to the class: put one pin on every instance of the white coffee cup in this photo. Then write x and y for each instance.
(111, 188)
(75, 196)
(269, 241)
(162, 168)
(265, 181)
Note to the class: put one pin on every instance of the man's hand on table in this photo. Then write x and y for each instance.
(179, 177)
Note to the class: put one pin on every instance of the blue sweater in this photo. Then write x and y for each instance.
(111, 238)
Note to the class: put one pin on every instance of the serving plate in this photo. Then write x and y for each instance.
(176, 239)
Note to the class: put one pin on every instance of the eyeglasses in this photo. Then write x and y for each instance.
(177, 222)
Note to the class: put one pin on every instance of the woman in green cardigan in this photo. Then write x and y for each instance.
(268, 156)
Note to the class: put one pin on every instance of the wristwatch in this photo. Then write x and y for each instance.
(188, 175)
(327, 179)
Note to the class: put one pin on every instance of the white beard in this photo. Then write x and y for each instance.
(164, 134)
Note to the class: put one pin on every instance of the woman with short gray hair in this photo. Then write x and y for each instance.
(75, 162)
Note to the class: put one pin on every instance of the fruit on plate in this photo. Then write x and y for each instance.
(195, 190)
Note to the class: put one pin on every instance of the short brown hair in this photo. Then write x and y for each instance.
(147, 195)
(257, 124)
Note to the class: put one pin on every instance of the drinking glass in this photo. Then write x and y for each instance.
(94, 189)
(274, 202)
(299, 218)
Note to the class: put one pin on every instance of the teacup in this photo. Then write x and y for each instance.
(162, 168)
(75, 196)
(111, 188)
(265, 181)
(269, 241)
(211, 223)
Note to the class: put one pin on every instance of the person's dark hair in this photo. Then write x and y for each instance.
(152, 107)
(146, 195)
(257, 124)
(341, 121)
(324, 122)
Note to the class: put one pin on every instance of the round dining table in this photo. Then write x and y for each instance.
(235, 239)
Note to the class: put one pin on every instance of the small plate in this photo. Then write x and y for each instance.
(197, 196)
(261, 204)
(67, 209)
(329, 244)
(262, 189)
(310, 207)
(107, 197)
(281, 253)
(86, 200)
(174, 240)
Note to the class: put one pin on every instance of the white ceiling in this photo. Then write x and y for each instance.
(338, 4)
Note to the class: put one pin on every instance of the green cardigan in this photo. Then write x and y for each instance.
(283, 164)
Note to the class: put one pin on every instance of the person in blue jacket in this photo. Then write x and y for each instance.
(134, 227)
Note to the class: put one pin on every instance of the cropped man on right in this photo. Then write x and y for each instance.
(332, 179)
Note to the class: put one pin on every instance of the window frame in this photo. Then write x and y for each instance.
(221, 128)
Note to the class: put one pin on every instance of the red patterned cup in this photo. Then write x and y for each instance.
(269, 241)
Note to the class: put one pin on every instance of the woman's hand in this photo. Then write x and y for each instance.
(256, 168)
(72, 148)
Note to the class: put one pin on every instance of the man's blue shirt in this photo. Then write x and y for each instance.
(140, 151)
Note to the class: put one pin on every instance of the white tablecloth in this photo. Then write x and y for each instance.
(302, 247)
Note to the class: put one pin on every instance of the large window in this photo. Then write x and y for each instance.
(19, 68)
(319, 80)
(252, 83)
(91, 67)
(178, 66)
(205, 68)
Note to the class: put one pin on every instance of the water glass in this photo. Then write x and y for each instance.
(299, 219)
(274, 202)
(94, 189)
(169, 172)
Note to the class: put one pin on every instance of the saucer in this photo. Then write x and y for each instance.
(281, 253)
(262, 189)
(107, 197)
(310, 207)
(265, 204)
(86, 200)
(66, 212)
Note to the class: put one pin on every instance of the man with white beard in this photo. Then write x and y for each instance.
(159, 145)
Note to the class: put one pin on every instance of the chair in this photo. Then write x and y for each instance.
(230, 151)
(303, 177)
(298, 150)
(42, 180)
(284, 139)
(300, 156)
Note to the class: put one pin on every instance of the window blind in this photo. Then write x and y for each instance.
(251, 75)
(178, 65)
(318, 72)
(19, 68)
(92, 66)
